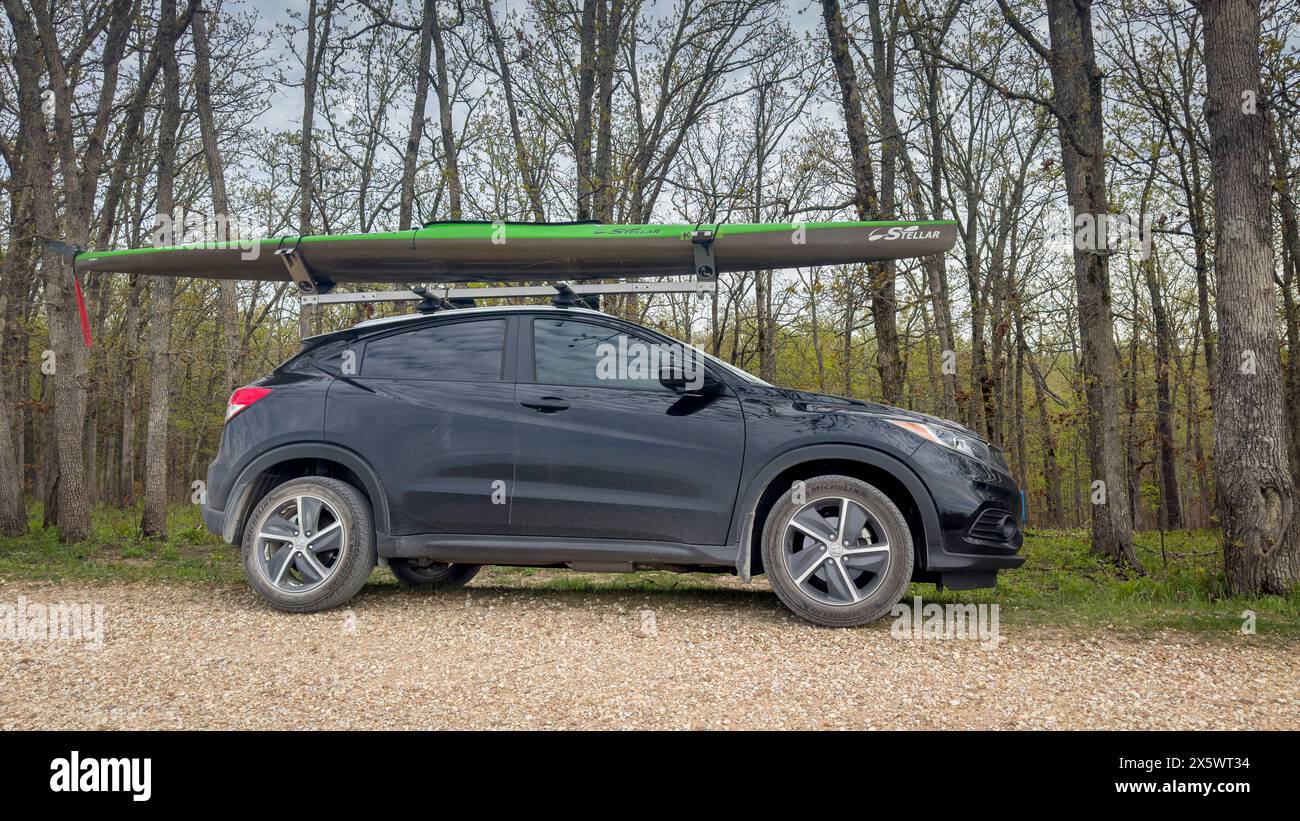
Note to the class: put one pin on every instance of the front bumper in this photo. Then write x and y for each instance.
(979, 517)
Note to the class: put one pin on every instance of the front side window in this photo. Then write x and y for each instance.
(572, 352)
(456, 351)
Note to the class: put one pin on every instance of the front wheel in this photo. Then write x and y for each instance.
(837, 551)
(309, 544)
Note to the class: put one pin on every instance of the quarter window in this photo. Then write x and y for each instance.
(456, 351)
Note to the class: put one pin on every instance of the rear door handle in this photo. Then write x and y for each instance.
(547, 404)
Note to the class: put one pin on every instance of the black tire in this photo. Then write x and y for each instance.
(431, 574)
(872, 567)
(347, 566)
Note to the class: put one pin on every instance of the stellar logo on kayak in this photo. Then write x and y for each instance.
(624, 231)
(902, 232)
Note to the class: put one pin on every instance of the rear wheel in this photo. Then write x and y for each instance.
(309, 544)
(837, 551)
(428, 573)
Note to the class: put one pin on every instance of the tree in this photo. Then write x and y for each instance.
(162, 289)
(217, 179)
(319, 23)
(1256, 490)
(1078, 106)
(79, 168)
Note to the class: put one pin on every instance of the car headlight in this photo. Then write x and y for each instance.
(947, 437)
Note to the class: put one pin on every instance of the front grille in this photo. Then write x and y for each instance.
(989, 525)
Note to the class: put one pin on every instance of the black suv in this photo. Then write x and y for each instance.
(564, 437)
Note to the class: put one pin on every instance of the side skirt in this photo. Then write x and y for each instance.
(613, 555)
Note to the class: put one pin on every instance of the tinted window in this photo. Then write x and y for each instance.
(569, 352)
(460, 351)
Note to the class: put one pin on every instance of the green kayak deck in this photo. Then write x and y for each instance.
(513, 252)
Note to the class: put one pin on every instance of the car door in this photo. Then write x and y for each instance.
(602, 453)
(432, 410)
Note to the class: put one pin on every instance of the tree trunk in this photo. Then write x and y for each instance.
(884, 301)
(583, 126)
(79, 166)
(131, 332)
(1256, 491)
(450, 161)
(415, 131)
(1290, 273)
(229, 318)
(531, 188)
(864, 186)
(319, 22)
(611, 25)
(1171, 502)
(1051, 471)
(162, 291)
(1077, 96)
(13, 514)
(865, 200)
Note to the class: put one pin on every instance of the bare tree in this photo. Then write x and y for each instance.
(217, 179)
(320, 21)
(79, 167)
(162, 288)
(1256, 490)
(1078, 106)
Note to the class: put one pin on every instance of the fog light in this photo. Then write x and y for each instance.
(1008, 528)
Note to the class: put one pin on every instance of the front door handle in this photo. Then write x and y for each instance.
(547, 404)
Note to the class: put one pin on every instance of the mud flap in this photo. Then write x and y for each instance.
(744, 554)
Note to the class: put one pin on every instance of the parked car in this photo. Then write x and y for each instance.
(436, 444)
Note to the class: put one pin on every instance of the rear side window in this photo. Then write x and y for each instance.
(459, 351)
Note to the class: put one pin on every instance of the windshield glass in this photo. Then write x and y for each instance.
(744, 376)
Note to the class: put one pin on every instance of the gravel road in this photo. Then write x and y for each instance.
(497, 655)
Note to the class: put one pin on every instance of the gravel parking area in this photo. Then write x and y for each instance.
(497, 655)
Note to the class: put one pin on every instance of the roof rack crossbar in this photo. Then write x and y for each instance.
(461, 295)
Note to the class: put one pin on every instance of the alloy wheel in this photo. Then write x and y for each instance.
(299, 543)
(836, 551)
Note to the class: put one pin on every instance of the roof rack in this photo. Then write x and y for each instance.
(314, 290)
(563, 294)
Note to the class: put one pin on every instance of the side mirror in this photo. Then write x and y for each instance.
(695, 381)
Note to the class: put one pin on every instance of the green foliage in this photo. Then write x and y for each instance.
(117, 552)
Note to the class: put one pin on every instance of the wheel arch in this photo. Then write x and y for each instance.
(894, 478)
(281, 464)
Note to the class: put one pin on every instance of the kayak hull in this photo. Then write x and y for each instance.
(486, 252)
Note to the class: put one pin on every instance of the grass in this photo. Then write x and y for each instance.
(1061, 583)
(116, 551)
(1182, 588)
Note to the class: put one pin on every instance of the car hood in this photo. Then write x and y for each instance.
(831, 403)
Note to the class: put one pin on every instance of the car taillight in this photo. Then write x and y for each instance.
(242, 398)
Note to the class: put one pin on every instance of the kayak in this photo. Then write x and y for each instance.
(510, 252)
